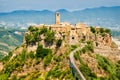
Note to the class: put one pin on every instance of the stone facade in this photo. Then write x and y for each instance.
(72, 33)
(75, 33)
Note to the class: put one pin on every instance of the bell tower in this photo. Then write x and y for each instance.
(57, 18)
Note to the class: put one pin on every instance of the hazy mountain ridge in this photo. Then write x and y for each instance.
(102, 16)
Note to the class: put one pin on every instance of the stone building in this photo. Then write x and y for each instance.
(75, 33)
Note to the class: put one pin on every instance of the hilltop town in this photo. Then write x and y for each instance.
(75, 33)
(45, 52)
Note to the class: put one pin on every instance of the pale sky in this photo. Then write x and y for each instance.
(11, 5)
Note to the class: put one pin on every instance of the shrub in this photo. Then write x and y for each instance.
(90, 48)
(59, 42)
(89, 42)
(6, 58)
(92, 29)
(82, 40)
(49, 37)
(34, 37)
(37, 61)
(42, 52)
(106, 64)
(22, 77)
(107, 31)
(43, 30)
(86, 71)
(31, 55)
(4, 76)
(57, 58)
(84, 49)
(18, 61)
(55, 72)
(47, 60)
(118, 72)
(32, 28)
(101, 30)
(14, 77)
(118, 62)
(118, 69)
(29, 39)
(73, 47)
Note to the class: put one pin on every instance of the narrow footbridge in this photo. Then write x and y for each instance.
(75, 70)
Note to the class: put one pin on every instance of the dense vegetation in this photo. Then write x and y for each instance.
(41, 52)
(100, 30)
(115, 33)
(34, 35)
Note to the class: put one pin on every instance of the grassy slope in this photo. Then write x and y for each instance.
(101, 69)
(28, 66)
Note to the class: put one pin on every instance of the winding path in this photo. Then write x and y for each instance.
(73, 65)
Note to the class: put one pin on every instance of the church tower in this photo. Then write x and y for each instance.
(57, 16)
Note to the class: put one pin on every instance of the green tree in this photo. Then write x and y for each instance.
(107, 31)
(59, 42)
(42, 52)
(101, 30)
(30, 39)
(43, 30)
(49, 37)
(47, 60)
(32, 28)
(92, 29)
(90, 48)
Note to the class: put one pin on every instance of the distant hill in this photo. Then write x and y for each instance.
(9, 40)
(102, 16)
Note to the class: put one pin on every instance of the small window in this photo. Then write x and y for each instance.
(72, 37)
(57, 14)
